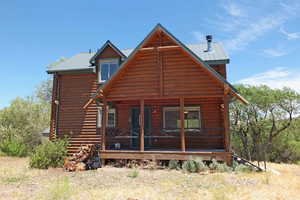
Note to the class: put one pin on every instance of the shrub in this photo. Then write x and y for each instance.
(149, 164)
(201, 166)
(194, 165)
(190, 166)
(49, 154)
(234, 164)
(214, 164)
(133, 174)
(174, 164)
(243, 168)
(220, 167)
(2, 153)
(13, 147)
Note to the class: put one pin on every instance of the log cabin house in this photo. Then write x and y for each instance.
(163, 100)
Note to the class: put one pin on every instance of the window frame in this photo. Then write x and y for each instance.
(177, 108)
(107, 61)
(99, 117)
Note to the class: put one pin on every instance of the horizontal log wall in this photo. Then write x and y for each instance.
(140, 79)
(221, 69)
(75, 91)
(181, 77)
(54, 108)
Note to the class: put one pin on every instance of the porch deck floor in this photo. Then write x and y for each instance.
(166, 154)
(165, 150)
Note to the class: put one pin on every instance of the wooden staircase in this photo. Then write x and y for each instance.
(246, 162)
(76, 141)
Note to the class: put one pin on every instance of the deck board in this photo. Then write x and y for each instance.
(165, 155)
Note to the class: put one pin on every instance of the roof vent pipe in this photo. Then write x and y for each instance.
(209, 40)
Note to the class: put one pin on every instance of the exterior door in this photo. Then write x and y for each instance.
(135, 127)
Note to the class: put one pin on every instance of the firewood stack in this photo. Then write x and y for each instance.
(86, 158)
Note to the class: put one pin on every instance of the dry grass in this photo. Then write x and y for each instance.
(17, 181)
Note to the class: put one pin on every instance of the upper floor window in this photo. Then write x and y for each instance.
(107, 69)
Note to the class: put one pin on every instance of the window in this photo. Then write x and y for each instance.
(111, 121)
(107, 69)
(171, 117)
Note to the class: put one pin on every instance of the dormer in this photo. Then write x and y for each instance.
(107, 61)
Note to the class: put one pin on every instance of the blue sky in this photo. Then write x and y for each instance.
(262, 37)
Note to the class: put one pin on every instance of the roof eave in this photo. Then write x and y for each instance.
(78, 70)
(218, 62)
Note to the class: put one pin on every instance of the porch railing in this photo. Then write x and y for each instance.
(156, 138)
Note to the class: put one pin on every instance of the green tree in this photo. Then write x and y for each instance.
(270, 114)
(23, 121)
(44, 91)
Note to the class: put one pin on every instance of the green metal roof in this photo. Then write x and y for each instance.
(81, 61)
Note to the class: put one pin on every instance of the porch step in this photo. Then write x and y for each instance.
(245, 162)
(85, 139)
(86, 136)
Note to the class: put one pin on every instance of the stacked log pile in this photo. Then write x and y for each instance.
(86, 158)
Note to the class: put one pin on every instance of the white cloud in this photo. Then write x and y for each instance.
(234, 10)
(244, 22)
(277, 78)
(290, 36)
(253, 31)
(274, 52)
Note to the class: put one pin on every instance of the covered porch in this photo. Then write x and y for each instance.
(164, 128)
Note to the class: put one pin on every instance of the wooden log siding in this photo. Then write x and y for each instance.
(54, 107)
(75, 92)
(141, 78)
(181, 77)
(221, 69)
(108, 52)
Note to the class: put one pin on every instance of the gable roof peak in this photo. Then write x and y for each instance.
(106, 44)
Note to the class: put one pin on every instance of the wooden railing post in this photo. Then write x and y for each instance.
(226, 120)
(142, 116)
(104, 122)
(182, 134)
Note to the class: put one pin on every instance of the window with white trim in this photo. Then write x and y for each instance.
(107, 69)
(111, 121)
(171, 118)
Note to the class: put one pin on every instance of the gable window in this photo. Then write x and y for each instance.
(111, 121)
(107, 69)
(171, 118)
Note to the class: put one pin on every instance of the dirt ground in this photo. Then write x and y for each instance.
(17, 181)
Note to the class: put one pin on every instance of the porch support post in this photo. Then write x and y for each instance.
(182, 134)
(142, 116)
(226, 122)
(104, 122)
